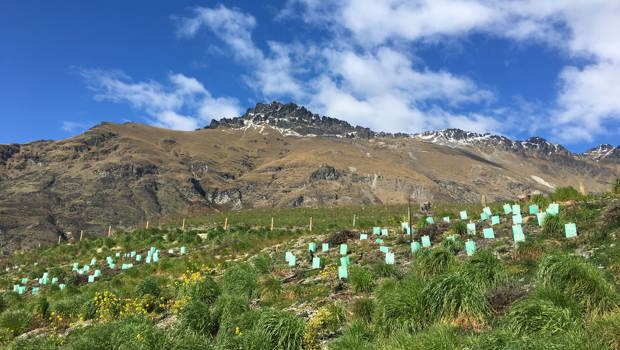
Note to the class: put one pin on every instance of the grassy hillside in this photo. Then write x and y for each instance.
(211, 287)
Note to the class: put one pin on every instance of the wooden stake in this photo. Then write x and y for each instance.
(272, 223)
(311, 223)
(109, 231)
(226, 224)
(410, 213)
(59, 239)
(582, 188)
(147, 224)
(81, 234)
(353, 220)
(183, 226)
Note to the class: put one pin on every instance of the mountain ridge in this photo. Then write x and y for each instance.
(121, 175)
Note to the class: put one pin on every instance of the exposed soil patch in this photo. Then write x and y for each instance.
(341, 237)
(434, 231)
(501, 299)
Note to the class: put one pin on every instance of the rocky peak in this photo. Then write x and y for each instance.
(603, 152)
(293, 119)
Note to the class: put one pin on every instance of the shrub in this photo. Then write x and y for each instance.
(459, 227)
(565, 194)
(240, 279)
(485, 270)
(324, 322)
(616, 187)
(454, 299)
(361, 279)
(435, 262)
(15, 320)
(363, 309)
(197, 316)
(533, 315)
(580, 280)
(284, 330)
(553, 227)
(398, 305)
(149, 285)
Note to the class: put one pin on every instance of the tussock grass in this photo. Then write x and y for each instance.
(436, 338)
(361, 279)
(578, 279)
(283, 329)
(454, 299)
(534, 315)
(485, 270)
(399, 306)
(434, 262)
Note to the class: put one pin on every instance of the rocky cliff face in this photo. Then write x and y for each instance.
(275, 155)
(294, 119)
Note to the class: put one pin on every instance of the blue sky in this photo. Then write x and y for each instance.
(519, 68)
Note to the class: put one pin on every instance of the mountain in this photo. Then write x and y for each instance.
(605, 153)
(275, 155)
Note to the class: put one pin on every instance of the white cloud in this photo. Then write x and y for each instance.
(378, 87)
(184, 104)
(586, 99)
(365, 70)
(73, 127)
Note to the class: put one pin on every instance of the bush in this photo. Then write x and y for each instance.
(197, 316)
(324, 322)
(240, 279)
(553, 226)
(578, 279)
(435, 262)
(531, 316)
(283, 329)
(485, 270)
(454, 299)
(459, 227)
(361, 279)
(616, 187)
(563, 194)
(15, 320)
(149, 285)
(363, 309)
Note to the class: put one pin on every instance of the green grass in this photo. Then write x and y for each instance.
(580, 280)
(540, 295)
